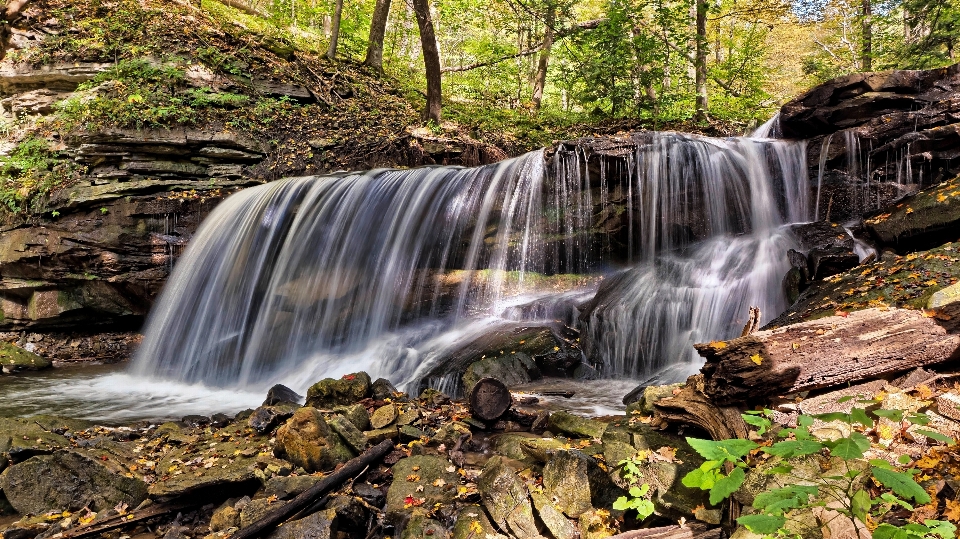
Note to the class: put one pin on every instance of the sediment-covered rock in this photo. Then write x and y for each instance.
(308, 441)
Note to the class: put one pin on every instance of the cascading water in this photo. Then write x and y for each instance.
(389, 271)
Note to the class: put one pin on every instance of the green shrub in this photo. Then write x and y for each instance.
(30, 173)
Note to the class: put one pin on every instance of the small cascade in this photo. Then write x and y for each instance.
(388, 270)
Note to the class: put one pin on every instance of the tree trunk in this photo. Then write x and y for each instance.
(378, 28)
(335, 31)
(700, 64)
(866, 52)
(431, 58)
(828, 352)
(541, 78)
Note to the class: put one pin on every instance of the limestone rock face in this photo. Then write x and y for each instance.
(307, 441)
(67, 480)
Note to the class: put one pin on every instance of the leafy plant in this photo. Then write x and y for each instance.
(637, 500)
(30, 173)
(898, 488)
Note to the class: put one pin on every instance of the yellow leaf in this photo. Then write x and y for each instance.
(756, 359)
(718, 345)
(952, 511)
(909, 210)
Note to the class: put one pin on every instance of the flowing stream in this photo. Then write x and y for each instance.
(389, 271)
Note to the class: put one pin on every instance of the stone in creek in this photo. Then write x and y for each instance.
(281, 393)
(289, 486)
(553, 518)
(356, 413)
(257, 509)
(436, 475)
(421, 527)
(382, 389)
(349, 389)
(383, 416)
(506, 499)
(265, 418)
(574, 425)
(349, 432)
(577, 483)
(14, 359)
(320, 525)
(67, 480)
(468, 519)
(307, 441)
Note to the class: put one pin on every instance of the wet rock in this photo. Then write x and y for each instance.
(382, 389)
(353, 516)
(320, 525)
(450, 433)
(506, 499)
(307, 441)
(213, 476)
(356, 414)
(574, 425)
(421, 527)
(67, 480)
(646, 396)
(257, 509)
(281, 393)
(349, 389)
(510, 445)
(577, 483)
(378, 435)
(827, 262)
(383, 416)
(924, 220)
(436, 476)
(369, 494)
(195, 421)
(21, 439)
(512, 369)
(225, 517)
(285, 488)
(432, 396)
(219, 420)
(265, 418)
(408, 414)
(541, 449)
(469, 519)
(553, 518)
(350, 433)
(14, 359)
(409, 433)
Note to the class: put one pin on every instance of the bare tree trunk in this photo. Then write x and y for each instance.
(335, 31)
(866, 52)
(431, 58)
(540, 79)
(378, 28)
(700, 64)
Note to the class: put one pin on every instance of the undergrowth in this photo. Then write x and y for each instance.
(30, 173)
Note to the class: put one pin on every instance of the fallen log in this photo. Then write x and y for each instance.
(489, 399)
(690, 531)
(828, 352)
(691, 407)
(293, 507)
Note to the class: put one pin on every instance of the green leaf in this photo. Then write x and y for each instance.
(918, 419)
(727, 486)
(942, 528)
(722, 450)
(846, 448)
(893, 415)
(833, 416)
(842, 400)
(893, 500)
(887, 531)
(793, 448)
(858, 415)
(644, 508)
(881, 463)
(904, 459)
(638, 492)
(703, 480)
(622, 503)
(780, 469)
(860, 505)
(761, 423)
(935, 435)
(901, 484)
(762, 524)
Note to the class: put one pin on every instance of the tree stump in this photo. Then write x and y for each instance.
(489, 399)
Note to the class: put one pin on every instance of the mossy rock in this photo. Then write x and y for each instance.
(577, 426)
(421, 527)
(13, 359)
(577, 483)
(307, 441)
(470, 519)
(330, 392)
(506, 499)
(436, 476)
(920, 221)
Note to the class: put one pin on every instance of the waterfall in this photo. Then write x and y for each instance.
(386, 270)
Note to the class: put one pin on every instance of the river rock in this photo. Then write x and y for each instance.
(553, 518)
(67, 480)
(645, 396)
(13, 359)
(349, 389)
(574, 425)
(349, 432)
(265, 418)
(541, 449)
(21, 439)
(577, 483)
(356, 414)
(382, 389)
(378, 435)
(281, 393)
(469, 519)
(436, 476)
(353, 515)
(307, 441)
(506, 499)
(257, 509)
(511, 369)
(225, 517)
(450, 433)
(383, 416)
(421, 527)
(285, 488)
(319, 525)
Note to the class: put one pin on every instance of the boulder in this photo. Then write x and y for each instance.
(553, 518)
(577, 484)
(21, 439)
(281, 393)
(423, 479)
(287, 487)
(265, 418)
(307, 441)
(421, 527)
(256, 509)
(469, 519)
(369, 494)
(577, 426)
(382, 389)
(13, 359)
(922, 221)
(506, 499)
(512, 369)
(383, 416)
(349, 389)
(645, 396)
(349, 432)
(320, 525)
(356, 414)
(67, 480)
(225, 517)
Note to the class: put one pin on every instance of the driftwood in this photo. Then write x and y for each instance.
(489, 399)
(307, 497)
(828, 352)
(690, 531)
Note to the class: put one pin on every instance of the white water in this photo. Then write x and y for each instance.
(389, 271)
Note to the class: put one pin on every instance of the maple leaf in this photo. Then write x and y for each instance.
(952, 511)
(756, 358)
